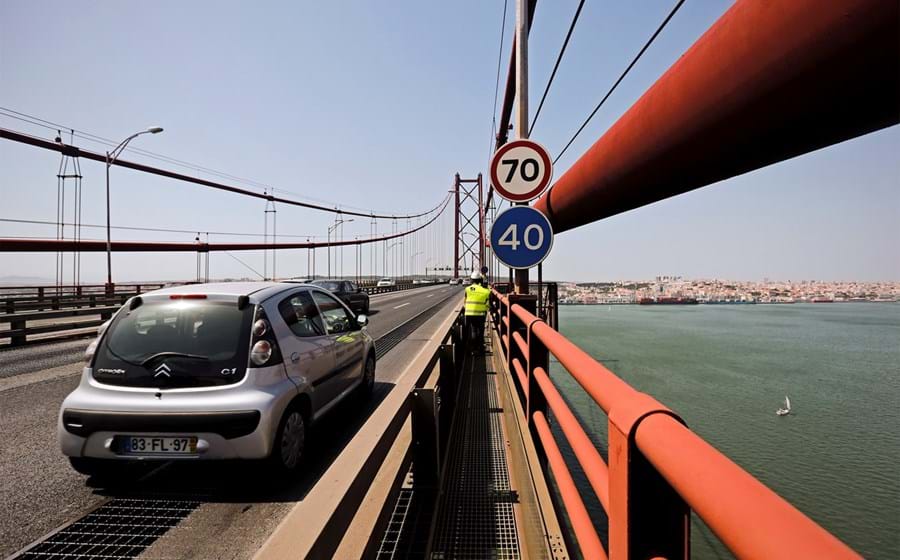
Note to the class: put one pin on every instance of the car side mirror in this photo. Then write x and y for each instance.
(362, 320)
(358, 290)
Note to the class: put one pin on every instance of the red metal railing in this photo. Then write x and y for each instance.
(658, 470)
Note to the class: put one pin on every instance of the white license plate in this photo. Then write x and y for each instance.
(150, 445)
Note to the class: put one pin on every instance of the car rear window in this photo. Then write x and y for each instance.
(200, 342)
(330, 286)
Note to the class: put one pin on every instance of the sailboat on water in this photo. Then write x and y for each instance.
(786, 409)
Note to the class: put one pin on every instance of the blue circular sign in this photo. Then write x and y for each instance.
(521, 237)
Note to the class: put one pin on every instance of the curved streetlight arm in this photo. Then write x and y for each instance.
(113, 155)
(111, 158)
(336, 224)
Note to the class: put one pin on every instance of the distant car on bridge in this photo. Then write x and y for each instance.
(215, 371)
(386, 283)
(348, 292)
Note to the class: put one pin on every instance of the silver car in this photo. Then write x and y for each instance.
(215, 371)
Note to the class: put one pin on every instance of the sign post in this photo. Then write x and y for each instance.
(521, 237)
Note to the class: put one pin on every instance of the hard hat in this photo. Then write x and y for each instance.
(475, 275)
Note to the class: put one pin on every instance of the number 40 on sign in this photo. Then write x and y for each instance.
(521, 237)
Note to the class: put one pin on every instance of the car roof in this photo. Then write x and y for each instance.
(258, 291)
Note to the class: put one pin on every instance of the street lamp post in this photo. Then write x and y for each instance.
(412, 262)
(111, 158)
(337, 224)
(393, 259)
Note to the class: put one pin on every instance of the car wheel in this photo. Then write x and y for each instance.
(366, 308)
(290, 441)
(368, 385)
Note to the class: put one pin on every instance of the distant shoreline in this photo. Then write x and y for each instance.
(725, 303)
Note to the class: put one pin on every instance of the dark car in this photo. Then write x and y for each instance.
(349, 292)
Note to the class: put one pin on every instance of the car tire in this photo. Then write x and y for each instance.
(367, 387)
(290, 442)
(365, 310)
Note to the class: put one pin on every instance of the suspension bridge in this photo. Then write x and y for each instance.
(459, 455)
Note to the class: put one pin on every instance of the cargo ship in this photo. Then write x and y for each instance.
(668, 301)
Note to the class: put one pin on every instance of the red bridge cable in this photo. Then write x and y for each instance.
(160, 230)
(75, 151)
(12, 245)
(37, 121)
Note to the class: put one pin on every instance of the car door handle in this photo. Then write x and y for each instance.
(295, 357)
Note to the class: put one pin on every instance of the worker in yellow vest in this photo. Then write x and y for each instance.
(476, 309)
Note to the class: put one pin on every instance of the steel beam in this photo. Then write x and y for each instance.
(767, 82)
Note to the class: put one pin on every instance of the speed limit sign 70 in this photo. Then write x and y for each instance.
(521, 170)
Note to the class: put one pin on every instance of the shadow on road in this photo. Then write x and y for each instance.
(248, 481)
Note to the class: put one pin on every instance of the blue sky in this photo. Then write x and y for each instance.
(376, 105)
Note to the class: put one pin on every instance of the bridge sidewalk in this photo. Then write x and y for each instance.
(490, 505)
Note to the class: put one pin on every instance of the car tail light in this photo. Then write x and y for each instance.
(261, 352)
(260, 328)
(187, 296)
(263, 345)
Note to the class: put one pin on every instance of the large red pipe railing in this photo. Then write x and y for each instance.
(587, 537)
(767, 82)
(751, 520)
(657, 467)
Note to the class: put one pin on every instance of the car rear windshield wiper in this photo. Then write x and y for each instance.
(173, 355)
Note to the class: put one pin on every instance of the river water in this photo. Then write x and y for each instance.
(726, 369)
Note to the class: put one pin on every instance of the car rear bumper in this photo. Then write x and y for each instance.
(237, 423)
(229, 425)
(237, 435)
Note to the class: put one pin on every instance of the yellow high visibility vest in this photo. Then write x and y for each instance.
(477, 300)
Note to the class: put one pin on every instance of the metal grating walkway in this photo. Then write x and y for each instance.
(476, 516)
(391, 546)
(120, 528)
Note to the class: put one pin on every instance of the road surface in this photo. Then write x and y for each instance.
(231, 507)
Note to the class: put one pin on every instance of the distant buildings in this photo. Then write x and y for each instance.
(726, 291)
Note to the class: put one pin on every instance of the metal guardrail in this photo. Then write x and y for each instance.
(408, 430)
(40, 293)
(21, 305)
(28, 304)
(658, 470)
(373, 290)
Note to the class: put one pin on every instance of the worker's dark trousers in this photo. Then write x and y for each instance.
(475, 326)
